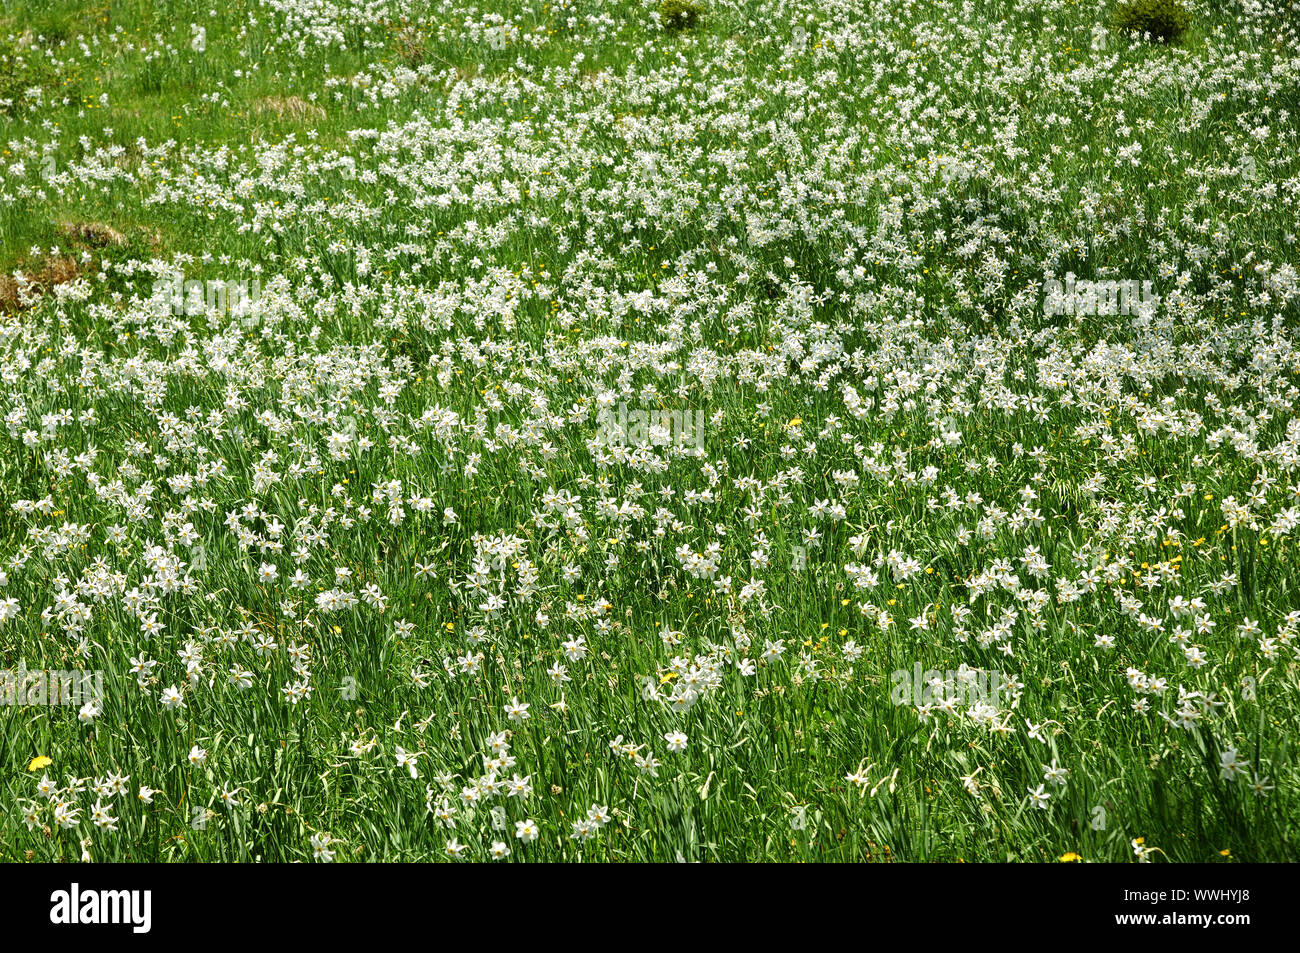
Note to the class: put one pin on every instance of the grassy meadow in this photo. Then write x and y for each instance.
(791, 431)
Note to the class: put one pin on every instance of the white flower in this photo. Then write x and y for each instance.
(406, 759)
(171, 698)
(527, 830)
(517, 711)
(320, 848)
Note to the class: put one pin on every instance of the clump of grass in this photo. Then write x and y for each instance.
(1163, 20)
(411, 45)
(94, 234)
(679, 15)
(295, 107)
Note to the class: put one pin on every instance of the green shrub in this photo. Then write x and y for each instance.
(679, 14)
(21, 68)
(1165, 20)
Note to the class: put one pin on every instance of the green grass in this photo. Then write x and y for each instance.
(740, 219)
